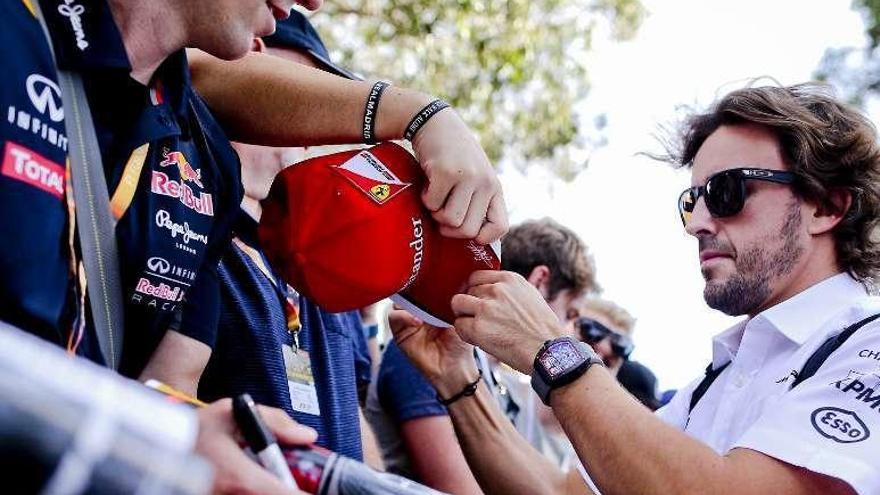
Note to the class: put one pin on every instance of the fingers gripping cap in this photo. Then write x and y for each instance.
(349, 229)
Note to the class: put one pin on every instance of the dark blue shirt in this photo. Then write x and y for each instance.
(247, 348)
(363, 363)
(403, 391)
(186, 190)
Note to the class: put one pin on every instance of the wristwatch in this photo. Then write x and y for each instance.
(560, 362)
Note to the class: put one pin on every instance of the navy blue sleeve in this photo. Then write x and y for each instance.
(404, 392)
(362, 361)
(201, 311)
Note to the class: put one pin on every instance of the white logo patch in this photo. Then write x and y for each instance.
(45, 96)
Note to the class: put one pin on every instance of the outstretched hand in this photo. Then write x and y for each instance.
(445, 360)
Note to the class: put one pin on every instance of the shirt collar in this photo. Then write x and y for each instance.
(84, 34)
(797, 318)
(245, 228)
(726, 344)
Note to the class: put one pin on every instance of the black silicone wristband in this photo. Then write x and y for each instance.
(422, 118)
(467, 391)
(371, 110)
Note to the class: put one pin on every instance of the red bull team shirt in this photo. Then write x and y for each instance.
(172, 176)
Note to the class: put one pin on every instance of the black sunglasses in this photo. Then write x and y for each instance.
(592, 332)
(725, 192)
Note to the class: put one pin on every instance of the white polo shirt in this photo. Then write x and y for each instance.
(829, 423)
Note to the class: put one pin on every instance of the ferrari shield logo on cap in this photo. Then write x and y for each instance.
(372, 177)
(381, 192)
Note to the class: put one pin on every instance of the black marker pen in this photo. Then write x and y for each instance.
(260, 439)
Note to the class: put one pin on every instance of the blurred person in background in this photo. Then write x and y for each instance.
(641, 382)
(412, 424)
(606, 326)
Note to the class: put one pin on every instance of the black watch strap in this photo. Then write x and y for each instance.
(543, 385)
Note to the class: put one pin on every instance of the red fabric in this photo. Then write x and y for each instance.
(347, 240)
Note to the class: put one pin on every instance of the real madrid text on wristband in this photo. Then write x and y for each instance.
(467, 391)
(371, 109)
(560, 362)
(421, 118)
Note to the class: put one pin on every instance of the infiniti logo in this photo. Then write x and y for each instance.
(74, 12)
(159, 265)
(45, 96)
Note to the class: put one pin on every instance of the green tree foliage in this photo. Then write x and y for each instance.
(856, 70)
(513, 68)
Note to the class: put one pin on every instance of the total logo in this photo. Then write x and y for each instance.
(34, 169)
(45, 97)
(839, 425)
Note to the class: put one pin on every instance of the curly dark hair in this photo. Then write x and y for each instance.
(829, 145)
(546, 242)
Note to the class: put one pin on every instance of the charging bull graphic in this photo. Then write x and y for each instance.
(187, 172)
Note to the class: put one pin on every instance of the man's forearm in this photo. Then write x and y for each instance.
(266, 100)
(501, 459)
(626, 449)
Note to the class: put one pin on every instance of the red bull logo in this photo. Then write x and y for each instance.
(200, 203)
(187, 172)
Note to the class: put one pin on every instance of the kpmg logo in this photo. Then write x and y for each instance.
(854, 384)
(45, 96)
(74, 12)
(839, 425)
(158, 265)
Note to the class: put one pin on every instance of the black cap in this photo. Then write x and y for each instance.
(639, 381)
(297, 32)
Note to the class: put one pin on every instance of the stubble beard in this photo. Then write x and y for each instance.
(749, 287)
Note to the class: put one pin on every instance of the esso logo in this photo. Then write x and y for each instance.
(839, 425)
(158, 265)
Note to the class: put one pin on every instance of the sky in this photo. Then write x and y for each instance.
(687, 52)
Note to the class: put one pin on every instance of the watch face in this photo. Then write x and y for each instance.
(560, 357)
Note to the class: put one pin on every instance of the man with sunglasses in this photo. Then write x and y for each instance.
(606, 327)
(784, 205)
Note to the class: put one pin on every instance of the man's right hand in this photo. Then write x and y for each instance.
(235, 473)
(439, 353)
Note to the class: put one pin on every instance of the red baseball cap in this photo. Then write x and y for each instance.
(349, 229)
